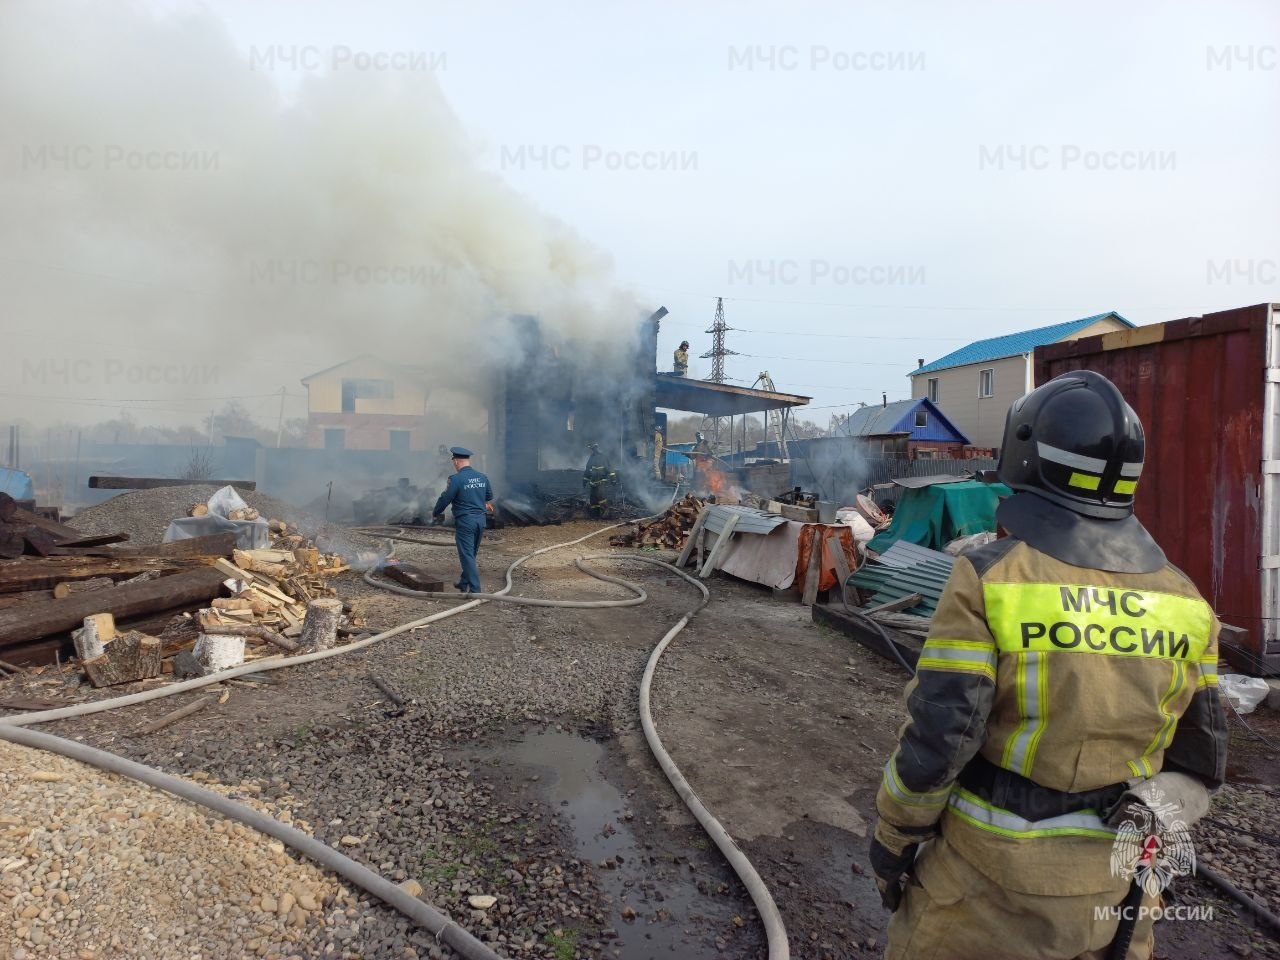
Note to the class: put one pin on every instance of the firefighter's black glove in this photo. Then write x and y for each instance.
(890, 868)
(437, 521)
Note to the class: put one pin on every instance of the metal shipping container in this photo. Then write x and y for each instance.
(1208, 392)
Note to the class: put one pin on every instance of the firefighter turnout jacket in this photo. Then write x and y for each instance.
(1041, 689)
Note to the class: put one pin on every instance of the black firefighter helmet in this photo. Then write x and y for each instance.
(1077, 443)
(1073, 452)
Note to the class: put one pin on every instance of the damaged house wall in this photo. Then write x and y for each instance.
(564, 395)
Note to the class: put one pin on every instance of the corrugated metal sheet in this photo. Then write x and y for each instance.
(905, 569)
(1012, 344)
(1200, 386)
(750, 520)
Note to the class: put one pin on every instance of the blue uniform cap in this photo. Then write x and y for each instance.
(462, 452)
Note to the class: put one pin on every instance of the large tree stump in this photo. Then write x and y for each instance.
(320, 628)
(90, 639)
(130, 656)
(219, 651)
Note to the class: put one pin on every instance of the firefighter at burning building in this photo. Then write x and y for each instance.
(1067, 691)
(595, 476)
(680, 366)
(471, 497)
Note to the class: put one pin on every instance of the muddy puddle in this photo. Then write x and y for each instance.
(647, 869)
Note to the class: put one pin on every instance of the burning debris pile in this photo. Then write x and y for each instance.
(668, 531)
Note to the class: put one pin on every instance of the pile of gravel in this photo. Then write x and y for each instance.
(145, 514)
(93, 865)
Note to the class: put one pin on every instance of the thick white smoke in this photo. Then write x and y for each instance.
(164, 202)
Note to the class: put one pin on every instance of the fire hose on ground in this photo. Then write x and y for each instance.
(446, 930)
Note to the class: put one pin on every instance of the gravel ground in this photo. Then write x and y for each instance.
(145, 514)
(94, 865)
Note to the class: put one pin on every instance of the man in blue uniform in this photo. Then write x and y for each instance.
(472, 499)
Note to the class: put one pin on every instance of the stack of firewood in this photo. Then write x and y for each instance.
(668, 531)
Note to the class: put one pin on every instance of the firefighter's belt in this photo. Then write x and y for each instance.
(1029, 800)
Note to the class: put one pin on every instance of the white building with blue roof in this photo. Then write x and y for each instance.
(975, 385)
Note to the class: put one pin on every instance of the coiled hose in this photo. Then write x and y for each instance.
(434, 921)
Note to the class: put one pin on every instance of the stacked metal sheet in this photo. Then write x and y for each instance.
(902, 570)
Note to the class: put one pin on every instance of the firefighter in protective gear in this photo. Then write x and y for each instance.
(1070, 671)
(595, 475)
(680, 366)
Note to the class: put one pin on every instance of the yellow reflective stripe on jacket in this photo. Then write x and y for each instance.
(899, 791)
(1208, 672)
(1032, 685)
(1088, 619)
(1161, 740)
(960, 656)
(985, 816)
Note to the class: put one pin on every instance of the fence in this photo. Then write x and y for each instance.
(836, 469)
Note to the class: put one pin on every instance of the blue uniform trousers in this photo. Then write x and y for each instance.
(467, 532)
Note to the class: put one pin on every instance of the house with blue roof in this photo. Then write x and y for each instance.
(905, 427)
(976, 385)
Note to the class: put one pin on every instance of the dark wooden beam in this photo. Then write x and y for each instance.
(151, 483)
(45, 573)
(32, 621)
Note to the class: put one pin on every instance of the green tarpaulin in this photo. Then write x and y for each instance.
(935, 515)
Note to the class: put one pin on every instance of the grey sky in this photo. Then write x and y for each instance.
(822, 141)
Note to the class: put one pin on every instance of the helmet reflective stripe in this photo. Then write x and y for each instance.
(1073, 460)
(1131, 470)
(1084, 481)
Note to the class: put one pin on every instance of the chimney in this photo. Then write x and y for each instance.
(919, 362)
(884, 400)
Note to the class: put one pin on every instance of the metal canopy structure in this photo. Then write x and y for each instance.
(719, 399)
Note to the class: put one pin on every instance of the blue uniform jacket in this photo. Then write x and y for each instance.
(468, 491)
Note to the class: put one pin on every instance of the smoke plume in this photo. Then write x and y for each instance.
(167, 205)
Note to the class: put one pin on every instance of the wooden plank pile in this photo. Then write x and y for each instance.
(668, 532)
(25, 532)
(181, 587)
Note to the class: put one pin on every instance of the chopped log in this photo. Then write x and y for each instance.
(151, 483)
(320, 628)
(198, 510)
(309, 557)
(176, 715)
(253, 630)
(41, 619)
(231, 603)
(130, 656)
(64, 590)
(91, 639)
(219, 651)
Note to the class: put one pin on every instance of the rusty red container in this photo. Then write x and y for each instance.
(1208, 392)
